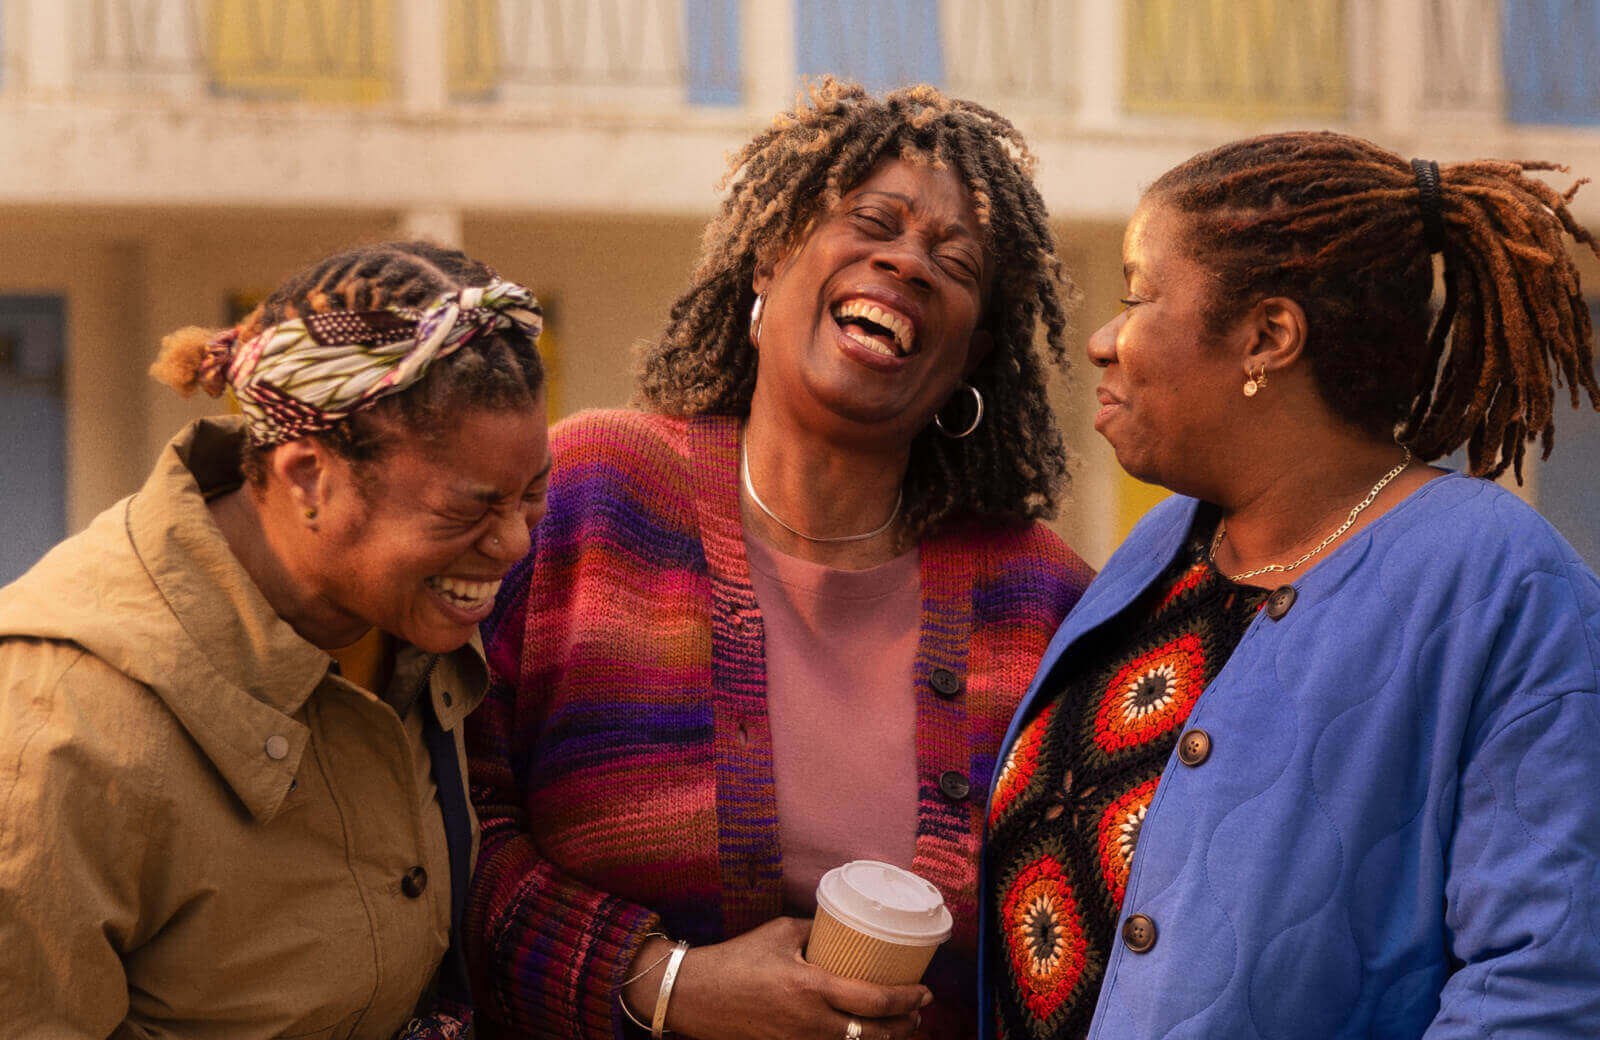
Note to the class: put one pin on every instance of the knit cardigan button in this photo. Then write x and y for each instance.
(954, 785)
(945, 683)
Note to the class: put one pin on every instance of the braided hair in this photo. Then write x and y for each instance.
(1334, 222)
(498, 372)
(1012, 467)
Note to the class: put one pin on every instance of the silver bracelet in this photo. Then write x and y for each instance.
(658, 1025)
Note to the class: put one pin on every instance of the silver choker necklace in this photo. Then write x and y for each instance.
(750, 489)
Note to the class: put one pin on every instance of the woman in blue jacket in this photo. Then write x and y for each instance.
(1344, 702)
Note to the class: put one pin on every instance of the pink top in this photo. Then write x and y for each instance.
(841, 650)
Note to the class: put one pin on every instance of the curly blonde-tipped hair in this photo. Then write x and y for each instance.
(1011, 469)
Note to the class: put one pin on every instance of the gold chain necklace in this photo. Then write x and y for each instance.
(1383, 482)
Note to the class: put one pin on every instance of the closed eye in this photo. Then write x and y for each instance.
(462, 522)
(962, 265)
(874, 221)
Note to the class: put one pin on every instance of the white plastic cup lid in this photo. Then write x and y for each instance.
(885, 902)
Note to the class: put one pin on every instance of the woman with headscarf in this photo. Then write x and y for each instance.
(777, 621)
(232, 794)
(1315, 754)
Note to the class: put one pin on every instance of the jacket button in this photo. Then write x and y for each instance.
(954, 785)
(1139, 933)
(1194, 747)
(945, 683)
(1279, 601)
(277, 747)
(415, 882)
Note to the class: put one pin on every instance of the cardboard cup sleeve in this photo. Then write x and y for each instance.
(876, 922)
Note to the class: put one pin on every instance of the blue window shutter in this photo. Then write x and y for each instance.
(1568, 496)
(715, 69)
(881, 45)
(33, 429)
(1548, 50)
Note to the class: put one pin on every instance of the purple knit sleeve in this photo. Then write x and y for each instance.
(548, 953)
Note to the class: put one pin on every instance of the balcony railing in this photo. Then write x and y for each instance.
(1244, 61)
(1016, 55)
(338, 51)
(11, 16)
(609, 51)
(1237, 59)
(1461, 58)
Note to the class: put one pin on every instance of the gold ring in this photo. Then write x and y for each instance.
(853, 1030)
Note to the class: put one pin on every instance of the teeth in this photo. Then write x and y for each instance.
(899, 326)
(876, 346)
(465, 593)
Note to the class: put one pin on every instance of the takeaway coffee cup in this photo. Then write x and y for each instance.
(876, 922)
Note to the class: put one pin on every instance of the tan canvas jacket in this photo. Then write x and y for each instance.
(204, 830)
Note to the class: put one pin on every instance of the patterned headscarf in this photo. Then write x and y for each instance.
(304, 375)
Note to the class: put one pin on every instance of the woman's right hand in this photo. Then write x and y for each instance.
(758, 986)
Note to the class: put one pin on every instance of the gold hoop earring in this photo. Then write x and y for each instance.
(1254, 383)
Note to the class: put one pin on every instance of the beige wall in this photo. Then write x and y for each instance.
(1092, 253)
(609, 281)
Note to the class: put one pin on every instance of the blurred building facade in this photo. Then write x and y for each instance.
(166, 162)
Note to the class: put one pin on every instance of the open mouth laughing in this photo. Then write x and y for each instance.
(469, 596)
(875, 327)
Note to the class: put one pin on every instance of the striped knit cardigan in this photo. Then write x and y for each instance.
(621, 765)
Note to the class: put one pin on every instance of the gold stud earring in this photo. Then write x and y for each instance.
(311, 514)
(1253, 383)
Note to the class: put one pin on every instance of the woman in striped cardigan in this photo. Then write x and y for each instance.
(780, 620)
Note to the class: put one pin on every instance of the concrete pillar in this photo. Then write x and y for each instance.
(768, 40)
(421, 46)
(1099, 57)
(441, 226)
(47, 45)
(106, 380)
(1400, 34)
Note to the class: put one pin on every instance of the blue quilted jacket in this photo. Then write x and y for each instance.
(1397, 831)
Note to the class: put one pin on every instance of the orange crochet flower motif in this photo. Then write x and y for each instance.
(1119, 834)
(1151, 694)
(1020, 763)
(1044, 937)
